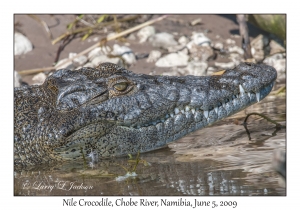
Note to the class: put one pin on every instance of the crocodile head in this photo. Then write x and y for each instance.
(110, 111)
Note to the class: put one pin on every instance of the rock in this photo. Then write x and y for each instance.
(131, 37)
(175, 48)
(154, 56)
(22, 44)
(104, 50)
(278, 61)
(236, 58)
(79, 61)
(257, 47)
(17, 79)
(173, 59)
(144, 33)
(183, 40)
(201, 53)
(39, 78)
(68, 65)
(199, 39)
(163, 40)
(110, 35)
(218, 45)
(276, 47)
(103, 58)
(125, 52)
(184, 51)
(196, 68)
(196, 21)
(236, 49)
(88, 65)
(230, 41)
(211, 70)
(228, 65)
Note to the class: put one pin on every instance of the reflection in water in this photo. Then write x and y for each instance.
(218, 160)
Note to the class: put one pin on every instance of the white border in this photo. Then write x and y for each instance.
(153, 6)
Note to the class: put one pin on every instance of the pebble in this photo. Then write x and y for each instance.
(175, 48)
(257, 47)
(79, 61)
(144, 33)
(110, 35)
(39, 78)
(173, 59)
(154, 56)
(276, 48)
(236, 58)
(183, 40)
(211, 70)
(236, 49)
(199, 39)
(230, 41)
(197, 68)
(67, 65)
(89, 64)
(201, 53)
(131, 37)
(218, 45)
(125, 52)
(163, 40)
(184, 51)
(278, 61)
(104, 50)
(22, 44)
(228, 65)
(196, 21)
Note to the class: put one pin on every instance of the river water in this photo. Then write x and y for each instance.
(218, 160)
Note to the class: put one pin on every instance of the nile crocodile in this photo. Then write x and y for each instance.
(109, 111)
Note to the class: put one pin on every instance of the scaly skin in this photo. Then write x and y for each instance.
(109, 111)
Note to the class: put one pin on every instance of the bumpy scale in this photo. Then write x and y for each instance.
(110, 111)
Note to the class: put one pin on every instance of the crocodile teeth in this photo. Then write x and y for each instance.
(258, 97)
(241, 89)
(176, 110)
(206, 114)
(216, 109)
(249, 94)
(172, 115)
(187, 108)
(182, 111)
(193, 111)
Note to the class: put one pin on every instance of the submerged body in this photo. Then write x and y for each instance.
(110, 111)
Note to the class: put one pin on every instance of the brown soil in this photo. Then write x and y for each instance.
(44, 53)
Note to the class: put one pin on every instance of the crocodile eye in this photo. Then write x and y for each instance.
(121, 86)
